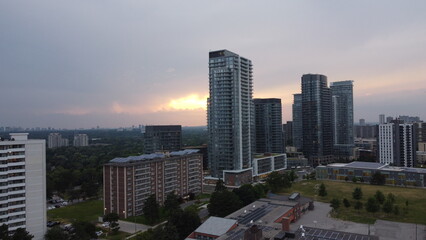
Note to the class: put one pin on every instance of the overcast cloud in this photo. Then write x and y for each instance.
(119, 63)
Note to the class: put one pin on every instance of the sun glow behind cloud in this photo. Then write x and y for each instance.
(190, 102)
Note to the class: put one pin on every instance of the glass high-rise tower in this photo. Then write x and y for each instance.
(316, 118)
(230, 112)
(343, 117)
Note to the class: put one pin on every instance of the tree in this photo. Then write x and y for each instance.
(55, 233)
(292, 176)
(260, 190)
(391, 197)
(335, 203)
(110, 217)
(246, 194)
(372, 205)
(358, 205)
(21, 234)
(396, 210)
(223, 203)
(83, 230)
(171, 203)
(346, 203)
(378, 179)
(220, 186)
(4, 232)
(322, 191)
(380, 197)
(277, 181)
(151, 209)
(346, 178)
(355, 179)
(185, 222)
(357, 193)
(387, 206)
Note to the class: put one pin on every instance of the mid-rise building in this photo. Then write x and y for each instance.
(297, 121)
(409, 119)
(362, 122)
(23, 184)
(129, 181)
(55, 140)
(81, 140)
(366, 131)
(363, 171)
(343, 118)
(230, 113)
(316, 118)
(420, 130)
(162, 138)
(396, 144)
(269, 134)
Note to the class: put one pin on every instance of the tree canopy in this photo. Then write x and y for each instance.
(151, 209)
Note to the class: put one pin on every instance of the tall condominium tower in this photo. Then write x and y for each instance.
(162, 138)
(230, 112)
(343, 117)
(396, 144)
(269, 134)
(297, 121)
(316, 118)
(23, 184)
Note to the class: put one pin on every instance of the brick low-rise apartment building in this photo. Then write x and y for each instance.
(129, 181)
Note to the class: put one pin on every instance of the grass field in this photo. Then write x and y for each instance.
(85, 211)
(416, 210)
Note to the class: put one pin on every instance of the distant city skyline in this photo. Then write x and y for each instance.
(115, 64)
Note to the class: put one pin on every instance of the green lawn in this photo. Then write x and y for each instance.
(416, 200)
(142, 219)
(85, 211)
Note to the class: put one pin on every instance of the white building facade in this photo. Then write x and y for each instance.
(396, 144)
(23, 184)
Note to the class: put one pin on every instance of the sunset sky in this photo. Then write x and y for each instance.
(108, 63)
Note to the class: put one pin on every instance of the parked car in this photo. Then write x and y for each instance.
(99, 233)
(52, 223)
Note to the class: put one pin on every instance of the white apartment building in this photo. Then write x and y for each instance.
(81, 140)
(23, 184)
(55, 140)
(385, 143)
(396, 144)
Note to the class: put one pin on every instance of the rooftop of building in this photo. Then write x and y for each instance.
(216, 226)
(152, 156)
(377, 166)
(265, 155)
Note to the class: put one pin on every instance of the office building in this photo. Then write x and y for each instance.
(297, 121)
(230, 113)
(23, 184)
(288, 133)
(396, 144)
(316, 118)
(55, 140)
(389, 119)
(129, 181)
(268, 119)
(362, 122)
(162, 138)
(382, 119)
(81, 140)
(343, 118)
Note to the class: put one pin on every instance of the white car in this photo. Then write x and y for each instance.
(99, 233)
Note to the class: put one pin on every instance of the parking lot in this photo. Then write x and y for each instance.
(385, 230)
